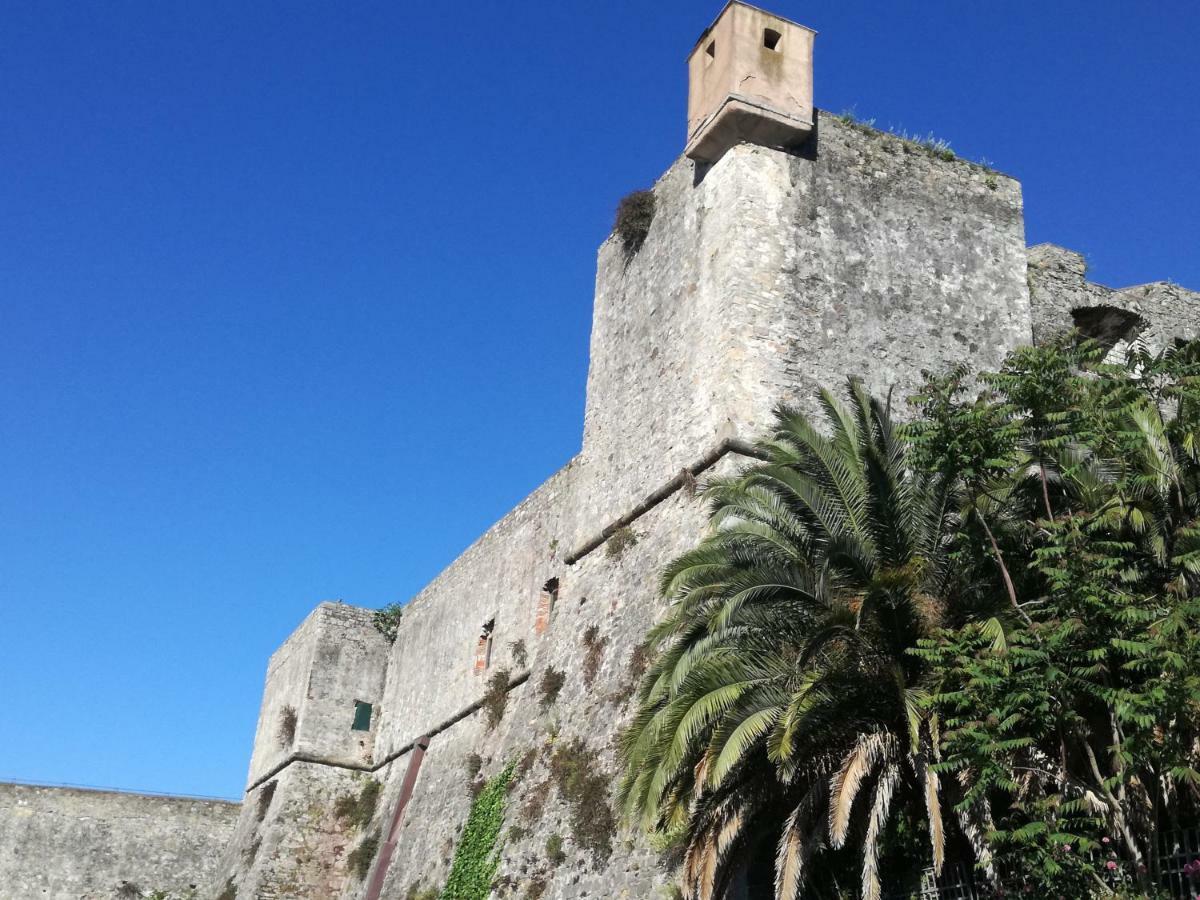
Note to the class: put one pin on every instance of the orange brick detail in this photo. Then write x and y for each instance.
(481, 655)
(542, 621)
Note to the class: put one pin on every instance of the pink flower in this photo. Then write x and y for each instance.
(1105, 840)
(1111, 865)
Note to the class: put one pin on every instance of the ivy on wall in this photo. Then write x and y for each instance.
(477, 857)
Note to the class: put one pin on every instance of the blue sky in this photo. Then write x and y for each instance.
(295, 298)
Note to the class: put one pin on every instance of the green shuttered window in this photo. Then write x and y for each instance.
(362, 716)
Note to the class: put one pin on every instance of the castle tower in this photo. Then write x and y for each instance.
(750, 78)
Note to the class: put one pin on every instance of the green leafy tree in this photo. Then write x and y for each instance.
(995, 610)
(1072, 723)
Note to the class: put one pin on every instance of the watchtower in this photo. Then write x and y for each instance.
(750, 78)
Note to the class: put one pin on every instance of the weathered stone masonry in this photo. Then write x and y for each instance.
(74, 844)
(763, 277)
(766, 274)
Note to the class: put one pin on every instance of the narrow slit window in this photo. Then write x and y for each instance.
(711, 50)
(771, 39)
(483, 647)
(362, 716)
(547, 600)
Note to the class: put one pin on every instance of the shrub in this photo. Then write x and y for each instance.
(525, 765)
(635, 212)
(554, 850)
(363, 855)
(286, 735)
(595, 653)
(358, 810)
(549, 688)
(265, 796)
(639, 661)
(620, 541)
(129, 891)
(415, 893)
(583, 785)
(473, 764)
(387, 621)
(535, 804)
(495, 701)
(520, 653)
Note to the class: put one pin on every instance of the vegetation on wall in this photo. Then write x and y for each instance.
(416, 892)
(639, 661)
(360, 858)
(228, 892)
(476, 857)
(549, 687)
(495, 700)
(583, 784)
(387, 620)
(594, 657)
(357, 810)
(473, 763)
(286, 733)
(265, 795)
(635, 213)
(555, 854)
(972, 639)
(929, 144)
(620, 541)
(520, 653)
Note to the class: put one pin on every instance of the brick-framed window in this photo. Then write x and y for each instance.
(547, 600)
(483, 647)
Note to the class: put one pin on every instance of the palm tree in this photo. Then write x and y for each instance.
(784, 703)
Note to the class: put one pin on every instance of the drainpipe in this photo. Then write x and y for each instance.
(384, 860)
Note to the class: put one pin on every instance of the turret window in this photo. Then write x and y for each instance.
(547, 600)
(771, 39)
(483, 647)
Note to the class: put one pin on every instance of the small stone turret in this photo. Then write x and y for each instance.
(750, 78)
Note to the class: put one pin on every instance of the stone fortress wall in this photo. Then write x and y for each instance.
(763, 277)
(73, 844)
(766, 274)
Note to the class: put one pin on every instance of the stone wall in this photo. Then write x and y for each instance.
(1063, 298)
(72, 844)
(762, 277)
(335, 658)
(772, 274)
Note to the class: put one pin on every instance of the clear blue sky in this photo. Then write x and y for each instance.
(295, 298)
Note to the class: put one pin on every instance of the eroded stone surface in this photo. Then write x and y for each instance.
(71, 844)
(763, 277)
